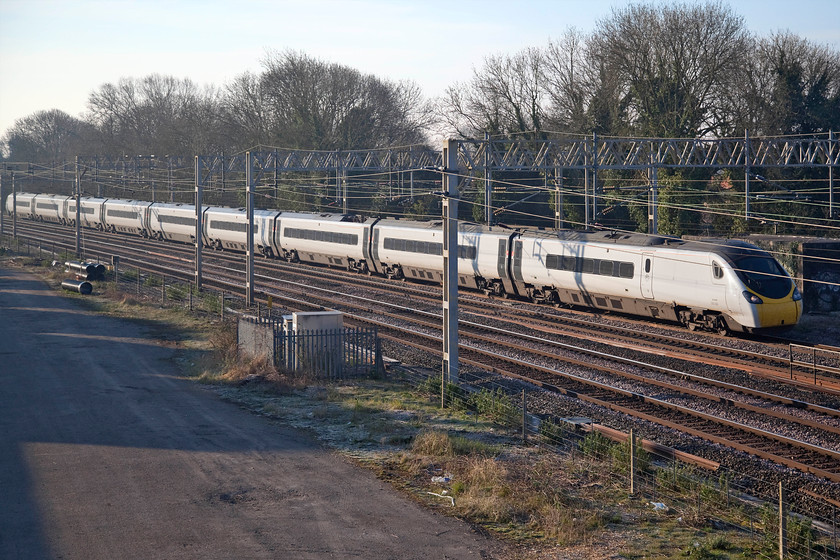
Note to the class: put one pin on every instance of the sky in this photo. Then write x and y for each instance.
(54, 53)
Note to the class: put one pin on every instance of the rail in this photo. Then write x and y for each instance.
(819, 356)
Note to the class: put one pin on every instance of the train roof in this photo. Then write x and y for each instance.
(729, 248)
(328, 217)
(463, 227)
(607, 236)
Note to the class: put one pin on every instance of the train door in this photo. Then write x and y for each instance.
(369, 248)
(717, 297)
(504, 264)
(647, 276)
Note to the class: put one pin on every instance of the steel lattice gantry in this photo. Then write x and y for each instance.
(476, 155)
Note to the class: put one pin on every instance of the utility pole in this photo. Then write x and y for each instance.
(488, 181)
(594, 177)
(14, 207)
(450, 266)
(249, 242)
(653, 195)
(198, 227)
(831, 152)
(2, 210)
(78, 211)
(558, 198)
(747, 176)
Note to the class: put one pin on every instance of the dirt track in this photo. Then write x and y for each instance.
(105, 453)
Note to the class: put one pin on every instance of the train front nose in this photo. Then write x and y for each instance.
(779, 313)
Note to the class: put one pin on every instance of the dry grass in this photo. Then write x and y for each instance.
(432, 444)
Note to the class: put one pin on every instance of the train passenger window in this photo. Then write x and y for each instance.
(647, 265)
(466, 252)
(588, 266)
(605, 268)
(625, 270)
(717, 270)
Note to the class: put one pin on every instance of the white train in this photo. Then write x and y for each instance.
(717, 285)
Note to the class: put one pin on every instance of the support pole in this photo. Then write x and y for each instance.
(2, 207)
(586, 188)
(14, 207)
(747, 176)
(340, 173)
(653, 201)
(594, 177)
(488, 181)
(152, 177)
(198, 227)
(450, 265)
(632, 441)
(411, 173)
(249, 240)
(78, 211)
(831, 152)
(782, 523)
(558, 198)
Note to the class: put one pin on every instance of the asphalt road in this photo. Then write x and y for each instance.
(106, 453)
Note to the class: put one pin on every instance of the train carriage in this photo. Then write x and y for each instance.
(760, 293)
(599, 269)
(52, 207)
(406, 249)
(173, 222)
(226, 228)
(127, 216)
(91, 212)
(331, 239)
(23, 204)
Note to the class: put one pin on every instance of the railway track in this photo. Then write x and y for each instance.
(547, 360)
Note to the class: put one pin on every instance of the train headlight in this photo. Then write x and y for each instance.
(752, 298)
(796, 295)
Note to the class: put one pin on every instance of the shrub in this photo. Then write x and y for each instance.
(496, 405)
(596, 445)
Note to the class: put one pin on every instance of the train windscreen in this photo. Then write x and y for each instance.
(764, 276)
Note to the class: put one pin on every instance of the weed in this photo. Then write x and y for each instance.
(496, 405)
(466, 446)
(433, 444)
(621, 457)
(596, 445)
(553, 433)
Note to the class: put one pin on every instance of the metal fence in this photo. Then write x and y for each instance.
(326, 354)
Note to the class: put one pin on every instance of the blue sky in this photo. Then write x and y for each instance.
(54, 53)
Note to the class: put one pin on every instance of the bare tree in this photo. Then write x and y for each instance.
(318, 105)
(790, 86)
(45, 136)
(157, 113)
(570, 82)
(245, 114)
(505, 96)
(673, 63)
